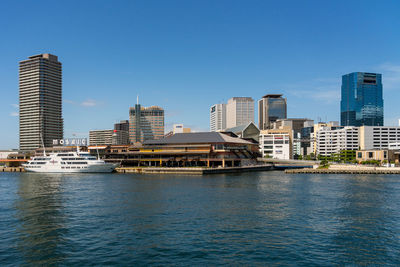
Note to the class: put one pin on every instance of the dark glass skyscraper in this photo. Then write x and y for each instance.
(271, 108)
(362, 100)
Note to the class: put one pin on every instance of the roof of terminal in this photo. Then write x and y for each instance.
(197, 138)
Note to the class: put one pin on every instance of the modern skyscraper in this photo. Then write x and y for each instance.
(217, 117)
(271, 108)
(239, 111)
(145, 123)
(362, 100)
(40, 101)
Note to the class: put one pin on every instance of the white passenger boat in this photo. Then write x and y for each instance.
(68, 162)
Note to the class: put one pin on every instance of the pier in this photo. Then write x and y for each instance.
(12, 169)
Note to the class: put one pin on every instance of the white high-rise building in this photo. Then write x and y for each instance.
(239, 111)
(330, 141)
(218, 117)
(40, 101)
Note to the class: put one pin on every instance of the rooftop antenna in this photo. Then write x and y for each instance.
(137, 99)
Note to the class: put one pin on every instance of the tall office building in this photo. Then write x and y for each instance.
(217, 117)
(145, 123)
(239, 111)
(271, 108)
(40, 101)
(362, 100)
(122, 126)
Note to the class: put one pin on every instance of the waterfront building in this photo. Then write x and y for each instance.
(330, 142)
(205, 149)
(145, 123)
(362, 99)
(379, 137)
(383, 155)
(217, 117)
(239, 111)
(276, 143)
(40, 101)
(332, 125)
(271, 108)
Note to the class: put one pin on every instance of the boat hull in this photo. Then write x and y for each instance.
(104, 168)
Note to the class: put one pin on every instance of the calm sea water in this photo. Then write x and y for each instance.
(264, 218)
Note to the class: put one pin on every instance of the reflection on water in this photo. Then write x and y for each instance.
(366, 222)
(263, 218)
(39, 211)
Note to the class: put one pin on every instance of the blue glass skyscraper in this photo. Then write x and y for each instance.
(362, 100)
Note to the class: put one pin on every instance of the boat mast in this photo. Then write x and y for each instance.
(44, 149)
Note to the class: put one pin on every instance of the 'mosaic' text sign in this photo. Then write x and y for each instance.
(70, 142)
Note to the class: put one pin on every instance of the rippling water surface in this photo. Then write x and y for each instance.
(264, 218)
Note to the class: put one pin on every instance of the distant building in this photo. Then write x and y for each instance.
(217, 117)
(145, 123)
(332, 125)
(178, 128)
(362, 100)
(121, 133)
(329, 142)
(100, 137)
(122, 126)
(40, 101)
(271, 108)
(294, 127)
(378, 137)
(276, 143)
(239, 111)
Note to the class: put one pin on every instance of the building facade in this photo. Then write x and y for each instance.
(271, 108)
(378, 137)
(217, 117)
(122, 126)
(40, 101)
(329, 142)
(178, 128)
(145, 123)
(276, 144)
(362, 99)
(101, 137)
(239, 111)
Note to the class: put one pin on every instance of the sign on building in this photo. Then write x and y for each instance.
(70, 142)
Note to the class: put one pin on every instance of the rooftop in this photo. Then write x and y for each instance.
(273, 96)
(197, 138)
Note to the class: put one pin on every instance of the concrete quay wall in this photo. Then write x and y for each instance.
(346, 171)
(194, 170)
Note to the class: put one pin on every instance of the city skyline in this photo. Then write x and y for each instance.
(206, 54)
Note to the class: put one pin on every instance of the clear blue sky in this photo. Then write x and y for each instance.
(187, 55)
